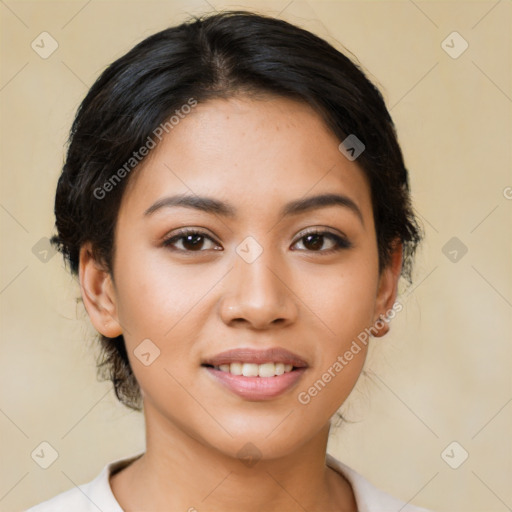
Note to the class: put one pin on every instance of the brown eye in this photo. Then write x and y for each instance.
(190, 241)
(315, 240)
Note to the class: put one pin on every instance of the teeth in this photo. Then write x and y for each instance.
(234, 368)
(267, 370)
(256, 370)
(250, 370)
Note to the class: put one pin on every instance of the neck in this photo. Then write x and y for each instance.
(178, 472)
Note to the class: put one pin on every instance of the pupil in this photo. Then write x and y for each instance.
(195, 241)
(317, 241)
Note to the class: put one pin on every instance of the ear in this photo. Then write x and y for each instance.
(98, 294)
(387, 290)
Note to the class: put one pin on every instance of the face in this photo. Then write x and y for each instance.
(259, 279)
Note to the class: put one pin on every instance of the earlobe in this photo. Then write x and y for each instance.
(98, 294)
(387, 290)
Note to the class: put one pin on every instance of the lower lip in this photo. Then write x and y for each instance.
(257, 388)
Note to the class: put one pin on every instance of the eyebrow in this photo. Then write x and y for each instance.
(210, 205)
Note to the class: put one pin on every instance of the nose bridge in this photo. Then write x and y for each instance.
(256, 290)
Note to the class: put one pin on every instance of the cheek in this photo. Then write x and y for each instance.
(345, 304)
(158, 302)
(344, 298)
(340, 355)
(155, 296)
(164, 302)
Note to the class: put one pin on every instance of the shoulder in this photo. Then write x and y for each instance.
(89, 497)
(368, 497)
(73, 499)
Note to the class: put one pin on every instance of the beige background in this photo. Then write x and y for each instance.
(443, 373)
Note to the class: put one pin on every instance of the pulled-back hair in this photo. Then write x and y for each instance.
(217, 56)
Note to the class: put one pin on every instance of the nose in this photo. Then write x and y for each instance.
(258, 295)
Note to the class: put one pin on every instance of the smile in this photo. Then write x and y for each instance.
(256, 374)
(255, 370)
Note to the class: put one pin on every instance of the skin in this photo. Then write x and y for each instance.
(257, 155)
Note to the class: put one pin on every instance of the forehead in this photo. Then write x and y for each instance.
(255, 154)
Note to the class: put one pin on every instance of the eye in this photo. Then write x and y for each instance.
(314, 240)
(191, 240)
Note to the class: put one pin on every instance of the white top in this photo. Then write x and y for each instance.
(97, 494)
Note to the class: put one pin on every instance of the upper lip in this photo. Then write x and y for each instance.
(255, 356)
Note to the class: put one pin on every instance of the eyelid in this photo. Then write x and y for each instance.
(321, 230)
(190, 230)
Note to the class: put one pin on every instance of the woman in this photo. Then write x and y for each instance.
(236, 207)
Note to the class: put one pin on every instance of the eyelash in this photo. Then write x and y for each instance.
(340, 242)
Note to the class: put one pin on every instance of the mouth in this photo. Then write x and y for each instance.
(256, 374)
(265, 370)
